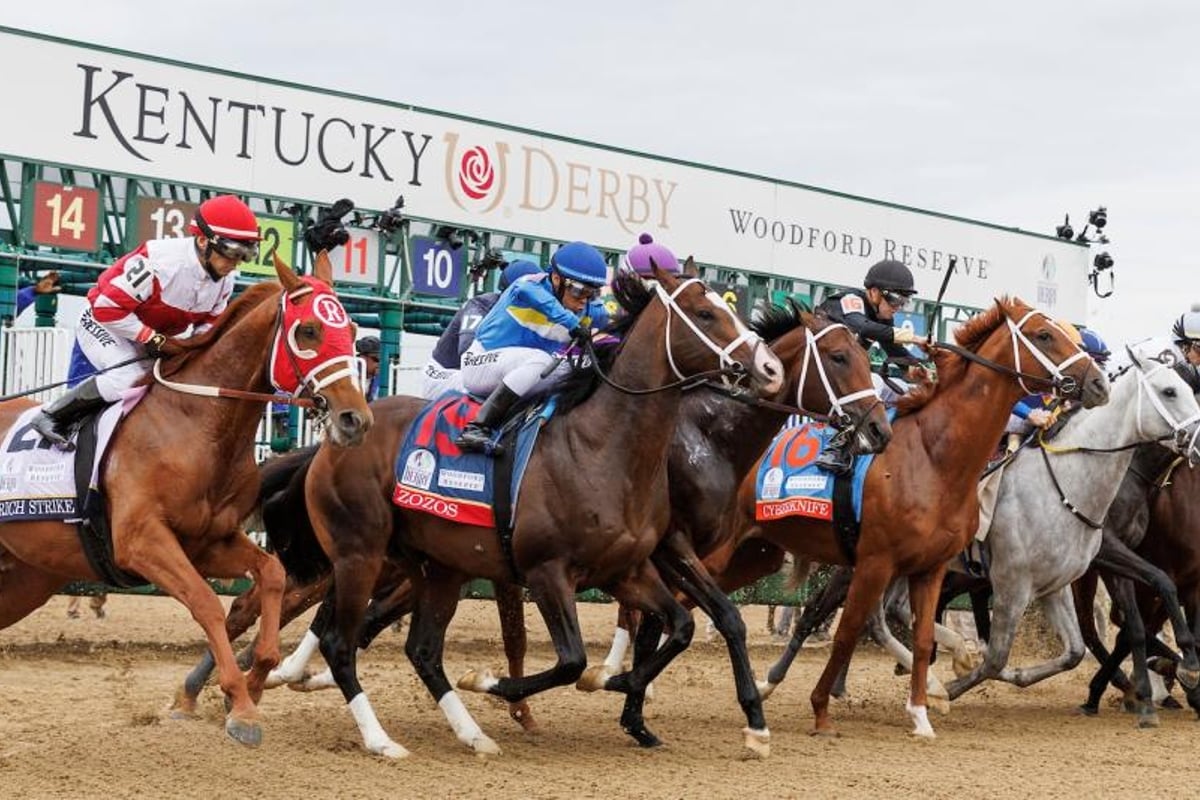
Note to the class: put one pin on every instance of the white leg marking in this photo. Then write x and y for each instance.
(375, 739)
(464, 725)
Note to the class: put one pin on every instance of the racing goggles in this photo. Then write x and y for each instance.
(579, 291)
(234, 249)
(897, 300)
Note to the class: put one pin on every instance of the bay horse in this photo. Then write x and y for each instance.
(179, 475)
(593, 507)
(716, 440)
(920, 506)
(1155, 520)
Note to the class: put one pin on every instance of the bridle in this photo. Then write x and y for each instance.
(1061, 384)
(308, 386)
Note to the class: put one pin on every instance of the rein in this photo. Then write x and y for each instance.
(201, 390)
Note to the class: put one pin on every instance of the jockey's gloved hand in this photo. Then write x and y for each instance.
(581, 334)
(161, 346)
(904, 336)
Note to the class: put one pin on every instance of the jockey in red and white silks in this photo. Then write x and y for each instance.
(158, 288)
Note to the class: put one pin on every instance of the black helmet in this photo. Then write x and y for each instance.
(1187, 328)
(891, 276)
(368, 346)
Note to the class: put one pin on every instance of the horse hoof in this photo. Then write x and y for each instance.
(926, 734)
(1189, 678)
(524, 717)
(644, 738)
(390, 749)
(183, 714)
(484, 746)
(247, 733)
(758, 743)
(941, 705)
(1148, 720)
(1171, 704)
(1087, 711)
(184, 705)
(824, 733)
(476, 681)
(765, 689)
(593, 679)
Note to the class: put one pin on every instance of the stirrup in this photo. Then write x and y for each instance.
(477, 439)
(835, 462)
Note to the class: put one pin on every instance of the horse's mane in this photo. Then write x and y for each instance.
(633, 295)
(950, 367)
(772, 321)
(248, 301)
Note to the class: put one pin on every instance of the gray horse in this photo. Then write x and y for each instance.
(1051, 505)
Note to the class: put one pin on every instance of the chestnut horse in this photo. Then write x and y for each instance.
(920, 506)
(593, 507)
(179, 475)
(716, 440)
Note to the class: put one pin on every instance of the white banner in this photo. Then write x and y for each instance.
(98, 109)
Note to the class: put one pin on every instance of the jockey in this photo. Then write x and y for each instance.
(443, 370)
(869, 312)
(514, 351)
(1186, 333)
(157, 291)
(639, 256)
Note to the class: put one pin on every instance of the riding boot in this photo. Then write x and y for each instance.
(836, 458)
(55, 420)
(477, 436)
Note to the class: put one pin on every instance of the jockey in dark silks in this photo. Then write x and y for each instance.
(869, 312)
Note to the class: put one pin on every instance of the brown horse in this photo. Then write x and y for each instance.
(826, 373)
(919, 504)
(179, 475)
(1171, 545)
(593, 507)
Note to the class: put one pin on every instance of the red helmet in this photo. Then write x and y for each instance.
(225, 217)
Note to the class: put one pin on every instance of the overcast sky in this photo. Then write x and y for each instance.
(1012, 114)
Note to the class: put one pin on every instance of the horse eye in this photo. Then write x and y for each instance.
(1044, 336)
(308, 329)
(1169, 392)
(705, 315)
(839, 359)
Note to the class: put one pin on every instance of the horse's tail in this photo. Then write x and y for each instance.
(285, 515)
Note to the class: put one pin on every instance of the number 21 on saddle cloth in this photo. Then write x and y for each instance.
(434, 476)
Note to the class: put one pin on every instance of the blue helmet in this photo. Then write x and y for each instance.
(515, 270)
(1094, 346)
(581, 262)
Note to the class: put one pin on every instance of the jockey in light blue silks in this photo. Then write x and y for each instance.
(524, 333)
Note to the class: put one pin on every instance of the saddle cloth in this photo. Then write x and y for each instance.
(37, 480)
(434, 476)
(789, 484)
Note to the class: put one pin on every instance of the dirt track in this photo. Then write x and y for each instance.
(82, 701)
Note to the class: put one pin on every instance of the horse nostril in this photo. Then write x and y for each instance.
(349, 420)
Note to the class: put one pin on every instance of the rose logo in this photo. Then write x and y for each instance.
(475, 173)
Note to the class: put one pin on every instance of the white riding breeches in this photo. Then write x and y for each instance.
(519, 368)
(436, 379)
(104, 348)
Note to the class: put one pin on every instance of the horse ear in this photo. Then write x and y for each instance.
(690, 269)
(290, 280)
(1133, 357)
(323, 268)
